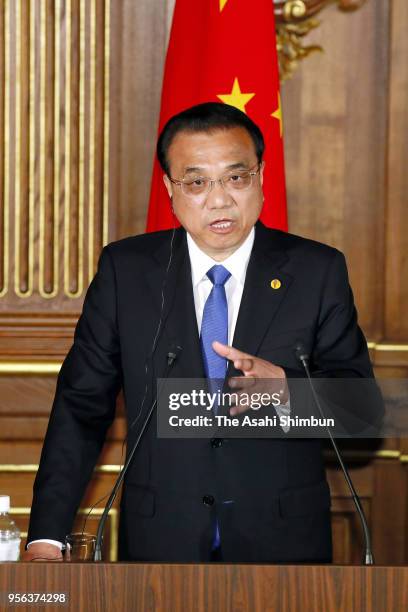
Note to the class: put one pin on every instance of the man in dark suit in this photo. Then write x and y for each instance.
(261, 500)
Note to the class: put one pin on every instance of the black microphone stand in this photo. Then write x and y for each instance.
(97, 556)
(368, 559)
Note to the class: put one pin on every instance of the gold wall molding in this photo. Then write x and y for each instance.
(30, 367)
(54, 182)
(53, 367)
(387, 347)
(33, 468)
(392, 454)
(48, 211)
(366, 455)
(5, 138)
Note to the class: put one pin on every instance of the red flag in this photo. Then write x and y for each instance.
(225, 50)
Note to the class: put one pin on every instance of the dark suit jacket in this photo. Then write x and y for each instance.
(174, 488)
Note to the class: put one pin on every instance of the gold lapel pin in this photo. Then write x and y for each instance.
(275, 283)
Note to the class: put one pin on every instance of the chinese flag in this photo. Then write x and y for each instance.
(225, 50)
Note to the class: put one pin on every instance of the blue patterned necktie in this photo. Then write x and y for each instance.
(214, 326)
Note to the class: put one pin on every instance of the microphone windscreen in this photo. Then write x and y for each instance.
(301, 351)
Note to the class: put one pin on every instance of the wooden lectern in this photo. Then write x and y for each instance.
(122, 587)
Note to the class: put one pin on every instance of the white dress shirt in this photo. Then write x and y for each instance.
(236, 264)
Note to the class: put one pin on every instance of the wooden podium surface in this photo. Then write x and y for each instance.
(132, 587)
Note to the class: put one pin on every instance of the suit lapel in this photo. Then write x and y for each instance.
(259, 304)
(179, 322)
(260, 301)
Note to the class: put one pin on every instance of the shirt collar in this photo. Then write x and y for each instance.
(236, 263)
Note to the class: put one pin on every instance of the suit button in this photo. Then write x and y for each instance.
(216, 442)
(208, 500)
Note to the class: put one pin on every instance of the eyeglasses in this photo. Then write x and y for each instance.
(232, 182)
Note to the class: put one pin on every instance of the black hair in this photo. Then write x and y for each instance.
(207, 117)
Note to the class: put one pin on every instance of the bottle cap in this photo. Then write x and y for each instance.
(4, 503)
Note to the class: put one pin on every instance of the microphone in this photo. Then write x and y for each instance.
(303, 356)
(172, 357)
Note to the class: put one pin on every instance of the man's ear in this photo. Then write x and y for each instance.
(168, 185)
(261, 171)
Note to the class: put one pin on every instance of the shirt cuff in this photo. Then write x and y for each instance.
(54, 542)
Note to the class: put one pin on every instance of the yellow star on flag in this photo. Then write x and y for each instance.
(222, 4)
(278, 114)
(236, 97)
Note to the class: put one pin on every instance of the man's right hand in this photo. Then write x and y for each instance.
(42, 551)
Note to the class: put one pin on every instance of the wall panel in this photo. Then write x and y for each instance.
(335, 117)
(54, 71)
(396, 295)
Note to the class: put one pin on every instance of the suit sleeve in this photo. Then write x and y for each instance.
(340, 343)
(82, 411)
(340, 352)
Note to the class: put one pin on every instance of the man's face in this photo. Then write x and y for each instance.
(219, 222)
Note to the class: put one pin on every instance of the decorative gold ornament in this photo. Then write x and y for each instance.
(296, 9)
(290, 47)
(294, 20)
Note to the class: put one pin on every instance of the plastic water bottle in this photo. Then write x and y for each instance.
(9, 533)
